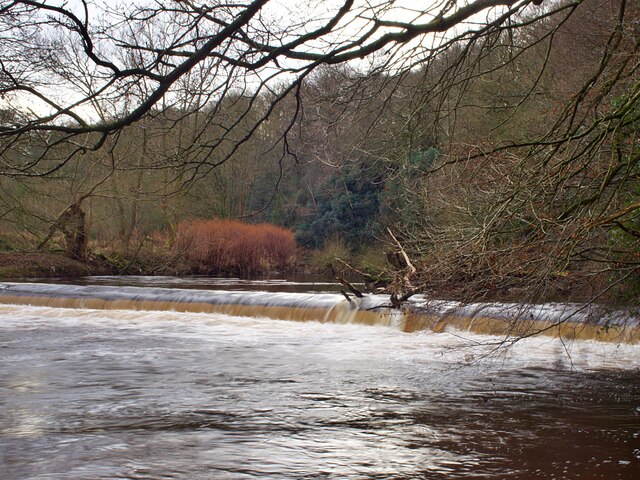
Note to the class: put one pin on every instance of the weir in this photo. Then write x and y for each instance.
(570, 321)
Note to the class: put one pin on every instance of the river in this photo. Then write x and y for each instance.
(125, 394)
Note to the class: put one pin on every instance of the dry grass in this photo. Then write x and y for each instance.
(230, 246)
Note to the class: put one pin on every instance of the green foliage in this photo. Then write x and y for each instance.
(347, 207)
(325, 257)
(6, 245)
(423, 160)
(402, 199)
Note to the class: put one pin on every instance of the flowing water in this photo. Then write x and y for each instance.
(123, 394)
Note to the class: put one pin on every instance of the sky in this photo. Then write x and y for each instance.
(299, 16)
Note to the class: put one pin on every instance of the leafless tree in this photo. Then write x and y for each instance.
(145, 57)
(73, 75)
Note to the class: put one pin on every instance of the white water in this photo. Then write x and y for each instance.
(510, 319)
(104, 394)
(452, 346)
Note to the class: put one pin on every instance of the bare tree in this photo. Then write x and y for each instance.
(535, 193)
(422, 77)
(142, 58)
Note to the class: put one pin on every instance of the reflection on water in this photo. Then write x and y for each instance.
(304, 283)
(88, 394)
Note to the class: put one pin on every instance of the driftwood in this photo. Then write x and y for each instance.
(346, 295)
(349, 286)
(401, 287)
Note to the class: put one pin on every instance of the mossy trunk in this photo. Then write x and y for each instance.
(75, 232)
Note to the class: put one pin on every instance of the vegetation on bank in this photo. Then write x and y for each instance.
(43, 265)
(229, 246)
(504, 163)
(232, 248)
(217, 247)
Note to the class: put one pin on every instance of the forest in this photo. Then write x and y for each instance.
(475, 150)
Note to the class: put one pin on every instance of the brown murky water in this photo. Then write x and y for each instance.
(91, 394)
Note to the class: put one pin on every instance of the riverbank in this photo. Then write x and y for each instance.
(53, 264)
(15, 265)
(40, 264)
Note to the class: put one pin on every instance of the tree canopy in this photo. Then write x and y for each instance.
(75, 68)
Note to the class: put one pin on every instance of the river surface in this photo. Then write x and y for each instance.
(119, 394)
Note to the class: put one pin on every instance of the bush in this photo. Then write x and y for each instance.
(229, 246)
(325, 258)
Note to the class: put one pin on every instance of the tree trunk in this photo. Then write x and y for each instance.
(75, 233)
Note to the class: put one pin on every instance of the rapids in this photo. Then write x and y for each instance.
(94, 393)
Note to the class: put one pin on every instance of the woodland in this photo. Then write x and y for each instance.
(474, 149)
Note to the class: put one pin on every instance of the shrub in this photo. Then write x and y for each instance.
(229, 246)
(325, 258)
